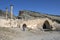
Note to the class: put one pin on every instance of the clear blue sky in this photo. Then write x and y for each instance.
(44, 6)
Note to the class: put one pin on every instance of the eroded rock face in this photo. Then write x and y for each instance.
(8, 23)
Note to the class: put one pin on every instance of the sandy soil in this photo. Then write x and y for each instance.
(18, 34)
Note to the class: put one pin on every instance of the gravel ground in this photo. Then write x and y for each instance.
(18, 34)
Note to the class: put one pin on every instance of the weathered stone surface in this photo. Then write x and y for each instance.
(32, 24)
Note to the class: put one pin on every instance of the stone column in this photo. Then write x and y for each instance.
(6, 13)
(11, 11)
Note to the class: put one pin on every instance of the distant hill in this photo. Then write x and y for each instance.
(25, 14)
(3, 14)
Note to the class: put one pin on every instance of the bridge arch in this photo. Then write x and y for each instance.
(46, 25)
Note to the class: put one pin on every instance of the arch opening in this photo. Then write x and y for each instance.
(24, 27)
(47, 26)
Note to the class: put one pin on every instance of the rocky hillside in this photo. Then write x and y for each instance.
(24, 14)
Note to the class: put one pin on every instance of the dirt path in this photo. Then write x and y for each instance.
(17, 34)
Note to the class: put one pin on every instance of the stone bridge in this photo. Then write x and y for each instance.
(42, 23)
